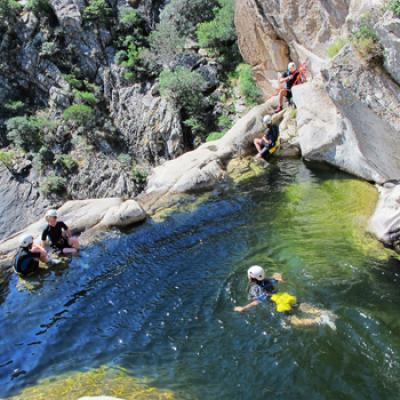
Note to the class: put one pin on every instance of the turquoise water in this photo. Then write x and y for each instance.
(158, 302)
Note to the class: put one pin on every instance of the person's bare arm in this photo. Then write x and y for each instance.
(254, 303)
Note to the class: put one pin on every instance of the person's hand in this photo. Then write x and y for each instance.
(238, 309)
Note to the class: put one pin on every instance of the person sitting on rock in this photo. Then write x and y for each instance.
(59, 235)
(28, 256)
(288, 79)
(261, 290)
(268, 141)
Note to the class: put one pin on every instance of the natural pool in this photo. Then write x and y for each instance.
(149, 314)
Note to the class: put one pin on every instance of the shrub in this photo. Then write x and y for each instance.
(48, 49)
(139, 174)
(129, 18)
(39, 7)
(394, 6)
(66, 162)
(125, 160)
(221, 29)
(74, 82)
(85, 97)
(14, 106)
(336, 46)
(53, 184)
(247, 85)
(81, 114)
(9, 8)
(215, 136)
(7, 158)
(224, 122)
(292, 113)
(27, 132)
(184, 87)
(196, 125)
(97, 11)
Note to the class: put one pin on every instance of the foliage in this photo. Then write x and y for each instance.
(125, 159)
(292, 113)
(394, 6)
(185, 15)
(224, 122)
(195, 124)
(45, 156)
(66, 162)
(7, 157)
(139, 174)
(97, 11)
(183, 86)
(27, 132)
(85, 97)
(74, 82)
(53, 184)
(129, 18)
(247, 86)
(8, 9)
(39, 7)
(14, 106)
(48, 49)
(215, 136)
(81, 114)
(221, 29)
(336, 46)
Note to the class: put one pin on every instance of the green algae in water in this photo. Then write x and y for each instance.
(102, 381)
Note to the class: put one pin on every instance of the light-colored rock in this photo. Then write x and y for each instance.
(385, 221)
(99, 398)
(84, 215)
(388, 30)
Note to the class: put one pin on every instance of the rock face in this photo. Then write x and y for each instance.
(86, 216)
(272, 32)
(358, 130)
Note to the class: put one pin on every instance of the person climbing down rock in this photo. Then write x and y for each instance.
(261, 289)
(288, 79)
(28, 256)
(59, 235)
(267, 145)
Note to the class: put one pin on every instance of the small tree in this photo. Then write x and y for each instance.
(98, 11)
(80, 114)
(53, 184)
(25, 132)
(66, 163)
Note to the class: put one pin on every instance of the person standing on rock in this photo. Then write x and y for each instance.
(59, 235)
(267, 143)
(28, 256)
(289, 79)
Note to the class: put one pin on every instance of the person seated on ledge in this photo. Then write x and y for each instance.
(261, 290)
(268, 141)
(288, 79)
(28, 255)
(59, 235)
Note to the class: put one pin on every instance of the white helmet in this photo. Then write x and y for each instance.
(256, 272)
(51, 213)
(267, 120)
(25, 240)
(291, 65)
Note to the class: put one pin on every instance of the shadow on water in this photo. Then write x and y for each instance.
(158, 301)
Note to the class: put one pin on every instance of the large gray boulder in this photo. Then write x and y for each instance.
(86, 216)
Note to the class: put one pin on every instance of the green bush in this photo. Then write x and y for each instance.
(66, 162)
(224, 122)
(196, 125)
(81, 114)
(14, 106)
(48, 49)
(365, 40)
(27, 132)
(85, 97)
(125, 160)
(74, 82)
(394, 6)
(221, 29)
(129, 18)
(215, 136)
(53, 184)
(247, 85)
(139, 174)
(39, 7)
(184, 87)
(336, 46)
(7, 158)
(9, 9)
(97, 11)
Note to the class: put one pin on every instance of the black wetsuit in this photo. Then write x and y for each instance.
(270, 134)
(262, 290)
(290, 82)
(55, 234)
(26, 262)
